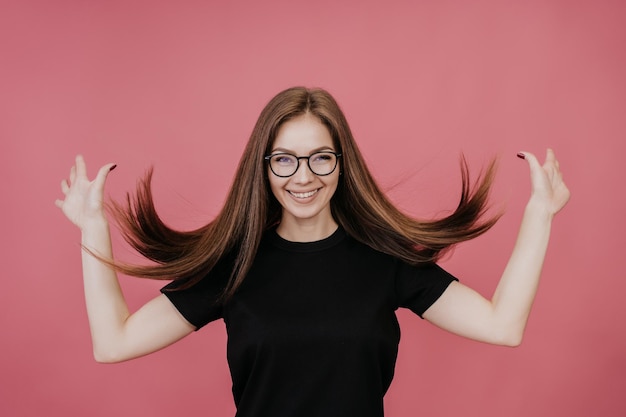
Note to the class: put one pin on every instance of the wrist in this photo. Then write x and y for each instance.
(537, 208)
(94, 224)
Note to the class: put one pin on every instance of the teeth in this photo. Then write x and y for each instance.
(303, 195)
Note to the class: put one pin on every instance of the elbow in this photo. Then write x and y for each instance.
(512, 342)
(106, 356)
(510, 338)
(508, 333)
(100, 358)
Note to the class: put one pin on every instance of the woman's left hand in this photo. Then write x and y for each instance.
(502, 319)
(548, 188)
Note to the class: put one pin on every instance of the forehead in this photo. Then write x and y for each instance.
(303, 134)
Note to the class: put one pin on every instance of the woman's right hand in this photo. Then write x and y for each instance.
(84, 199)
(116, 334)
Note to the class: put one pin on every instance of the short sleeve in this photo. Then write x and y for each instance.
(199, 304)
(418, 287)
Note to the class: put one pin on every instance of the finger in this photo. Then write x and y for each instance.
(81, 167)
(550, 159)
(103, 172)
(64, 187)
(73, 174)
(531, 159)
(58, 203)
(536, 170)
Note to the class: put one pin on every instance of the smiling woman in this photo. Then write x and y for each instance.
(303, 194)
(306, 264)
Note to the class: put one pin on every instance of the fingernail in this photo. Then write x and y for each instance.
(521, 155)
(112, 168)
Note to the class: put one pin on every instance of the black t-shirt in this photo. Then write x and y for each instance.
(312, 331)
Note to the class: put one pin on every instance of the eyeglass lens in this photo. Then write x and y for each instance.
(320, 163)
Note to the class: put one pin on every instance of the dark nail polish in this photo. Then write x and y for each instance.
(112, 168)
(521, 155)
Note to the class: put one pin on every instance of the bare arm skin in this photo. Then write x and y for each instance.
(502, 319)
(116, 334)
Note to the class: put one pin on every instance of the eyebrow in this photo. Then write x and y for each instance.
(320, 149)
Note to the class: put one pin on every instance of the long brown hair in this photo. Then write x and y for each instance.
(358, 205)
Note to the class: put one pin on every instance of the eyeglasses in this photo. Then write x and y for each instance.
(320, 163)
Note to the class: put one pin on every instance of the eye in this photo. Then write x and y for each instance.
(284, 159)
(322, 157)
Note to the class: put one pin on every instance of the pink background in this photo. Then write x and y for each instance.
(179, 85)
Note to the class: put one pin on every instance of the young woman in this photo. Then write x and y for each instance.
(306, 264)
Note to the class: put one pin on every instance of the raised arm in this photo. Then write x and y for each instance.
(502, 319)
(116, 334)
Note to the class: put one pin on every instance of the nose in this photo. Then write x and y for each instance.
(303, 175)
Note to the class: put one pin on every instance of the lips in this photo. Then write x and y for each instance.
(304, 195)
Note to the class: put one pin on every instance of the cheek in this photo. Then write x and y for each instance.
(275, 183)
(333, 182)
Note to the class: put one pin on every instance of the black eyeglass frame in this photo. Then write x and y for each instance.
(298, 158)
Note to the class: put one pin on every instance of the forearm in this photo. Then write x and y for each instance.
(502, 319)
(106, 307)
(515, 293)
(116, 335)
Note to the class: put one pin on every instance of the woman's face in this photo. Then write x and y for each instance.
(304, 196)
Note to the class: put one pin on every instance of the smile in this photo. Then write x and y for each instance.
(303, 195)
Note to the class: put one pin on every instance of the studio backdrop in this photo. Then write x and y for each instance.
(178, 86)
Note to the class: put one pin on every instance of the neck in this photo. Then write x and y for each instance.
(303, 231)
